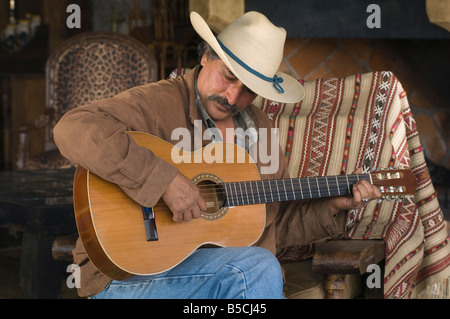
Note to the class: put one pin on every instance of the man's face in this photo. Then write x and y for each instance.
(221, 92)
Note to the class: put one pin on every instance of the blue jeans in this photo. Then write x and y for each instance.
(209, 273)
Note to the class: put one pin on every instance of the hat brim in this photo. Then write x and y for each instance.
(293, 90)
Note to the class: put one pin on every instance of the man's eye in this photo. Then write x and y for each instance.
(229, 77)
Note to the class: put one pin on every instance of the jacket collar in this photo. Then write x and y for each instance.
(190, 79)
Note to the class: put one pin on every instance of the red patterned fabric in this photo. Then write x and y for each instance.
(365, 121)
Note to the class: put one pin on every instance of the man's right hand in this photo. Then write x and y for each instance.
(183, 199)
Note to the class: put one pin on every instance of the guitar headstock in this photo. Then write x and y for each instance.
(394, 183)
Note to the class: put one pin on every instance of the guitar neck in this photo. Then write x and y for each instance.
(268, 191)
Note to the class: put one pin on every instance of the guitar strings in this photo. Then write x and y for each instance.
(238, 198)
(288, 185)
(241, 195)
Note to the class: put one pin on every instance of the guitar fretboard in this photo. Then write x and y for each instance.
(268, 191)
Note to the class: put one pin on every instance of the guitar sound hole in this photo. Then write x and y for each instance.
(213, 194)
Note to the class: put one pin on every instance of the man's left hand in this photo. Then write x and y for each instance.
(363, 193)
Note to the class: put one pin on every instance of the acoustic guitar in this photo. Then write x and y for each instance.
(122, 238)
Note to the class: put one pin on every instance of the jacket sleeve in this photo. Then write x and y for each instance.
(94, 136)
(303, 222)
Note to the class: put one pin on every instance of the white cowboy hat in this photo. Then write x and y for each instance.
(252, 48)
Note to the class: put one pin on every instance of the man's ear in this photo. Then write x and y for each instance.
(204, 59)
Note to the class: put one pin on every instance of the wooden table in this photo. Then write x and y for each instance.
(39, 204)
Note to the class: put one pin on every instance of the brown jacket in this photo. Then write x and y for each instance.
(93, 136)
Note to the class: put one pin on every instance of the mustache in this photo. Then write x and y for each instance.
(224, 102)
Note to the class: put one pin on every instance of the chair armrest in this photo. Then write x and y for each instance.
(348, 256)
(62, 247)
(25, 129)
(39, 122)
(338, 258)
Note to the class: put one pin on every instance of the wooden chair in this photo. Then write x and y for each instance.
(84, 68)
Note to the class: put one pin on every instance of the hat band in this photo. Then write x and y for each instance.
(275, 79)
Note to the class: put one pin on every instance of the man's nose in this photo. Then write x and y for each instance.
(234, 91)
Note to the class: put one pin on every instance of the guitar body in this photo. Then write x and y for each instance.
(111, 224)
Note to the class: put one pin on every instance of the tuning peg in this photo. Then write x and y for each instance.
(387, 198)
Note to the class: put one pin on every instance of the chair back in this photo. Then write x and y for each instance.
(95, 65)
(84, 68)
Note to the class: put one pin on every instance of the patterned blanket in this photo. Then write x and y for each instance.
(365, 121)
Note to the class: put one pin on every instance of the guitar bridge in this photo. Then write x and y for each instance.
(150, 224)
